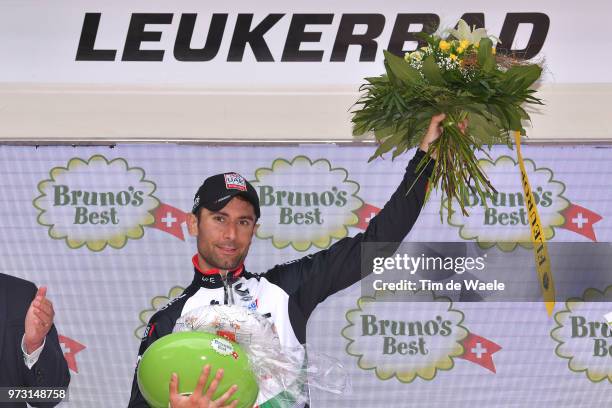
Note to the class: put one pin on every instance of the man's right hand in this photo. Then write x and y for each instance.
(435, 130)
(38, 321)
(199, 399)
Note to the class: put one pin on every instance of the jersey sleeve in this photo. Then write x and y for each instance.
(159, 326)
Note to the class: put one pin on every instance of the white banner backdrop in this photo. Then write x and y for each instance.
(104, 229)
(297, 45)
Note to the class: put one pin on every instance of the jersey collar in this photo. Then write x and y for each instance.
(211, 278)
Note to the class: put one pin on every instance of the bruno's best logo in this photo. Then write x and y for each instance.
(96, 203)
(503, 218)
(305, 202)
(584, 336)
(405, 343)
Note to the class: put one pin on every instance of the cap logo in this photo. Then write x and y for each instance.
(234, 181)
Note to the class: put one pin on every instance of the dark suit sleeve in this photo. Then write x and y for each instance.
(313, 278)
(158, 326)
(51, 369)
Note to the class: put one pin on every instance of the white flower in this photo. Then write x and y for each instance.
(463, 32)
(417, 55)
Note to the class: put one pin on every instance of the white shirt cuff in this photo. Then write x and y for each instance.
(31, 359)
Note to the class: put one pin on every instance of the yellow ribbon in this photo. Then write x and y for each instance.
(540, 250)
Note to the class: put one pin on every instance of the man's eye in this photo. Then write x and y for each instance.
(245, 222)
(218, 218)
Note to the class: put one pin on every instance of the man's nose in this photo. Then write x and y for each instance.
(229, 231)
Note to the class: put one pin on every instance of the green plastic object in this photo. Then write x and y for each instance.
(185, 353)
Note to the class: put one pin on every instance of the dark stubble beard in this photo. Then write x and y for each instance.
(226, 265)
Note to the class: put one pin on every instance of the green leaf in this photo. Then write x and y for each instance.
(379, 80)
(486, 60)
(485, 132)
(359, 129)
(381, 134)
(432, 72)
(523, 113)
(523, 76)
(401, 148)
(513, 116)
(388, 144)
(401, 69)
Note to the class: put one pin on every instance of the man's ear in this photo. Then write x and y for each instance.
(192, 224)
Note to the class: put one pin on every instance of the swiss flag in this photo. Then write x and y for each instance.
(480, 351)
(170, 219)
(71, 348)
(365, 214)
(580, 220)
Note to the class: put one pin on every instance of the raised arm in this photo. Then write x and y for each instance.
(313, 278)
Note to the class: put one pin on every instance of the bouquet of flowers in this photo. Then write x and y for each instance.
(459, 75)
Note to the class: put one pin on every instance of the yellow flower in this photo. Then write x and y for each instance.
(460, 50)
(464, 44)
(476, 45)
(444, 45)
(493, 50)
(453, 57)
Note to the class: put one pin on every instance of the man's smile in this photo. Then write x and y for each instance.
(227, 249)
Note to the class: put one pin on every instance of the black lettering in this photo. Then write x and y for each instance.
(296, 36)
(541, 24)
(184, 36)
(86, 50)
(137, 35)
(474, 20)
(400, 33)
(243, 35)
(375, 24)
